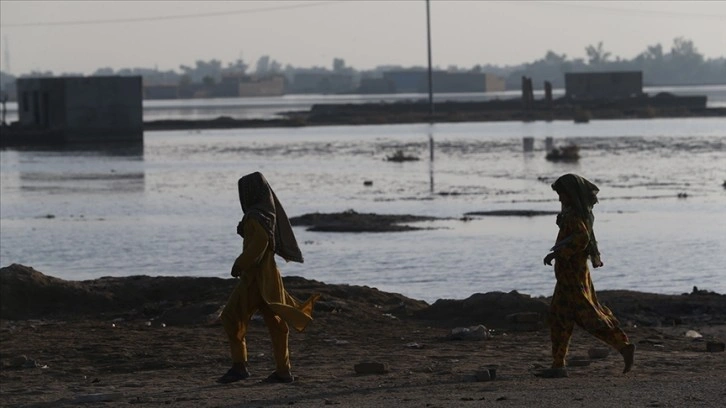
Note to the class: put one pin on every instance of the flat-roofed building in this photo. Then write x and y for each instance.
(603, 85)
(78, 109)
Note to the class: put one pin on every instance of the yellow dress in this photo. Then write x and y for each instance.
(574, 300)
(260, 287)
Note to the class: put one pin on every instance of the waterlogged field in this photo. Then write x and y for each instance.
(171, 207)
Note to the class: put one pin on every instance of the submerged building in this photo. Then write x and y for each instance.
(603, 85)
(77, 109)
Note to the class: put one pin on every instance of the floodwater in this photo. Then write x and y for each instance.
(274, 106)
(170, 207)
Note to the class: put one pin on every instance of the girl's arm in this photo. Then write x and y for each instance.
(579, 238)
(255, 244)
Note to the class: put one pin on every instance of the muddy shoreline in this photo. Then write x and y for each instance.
(141, 341)
(454, 112)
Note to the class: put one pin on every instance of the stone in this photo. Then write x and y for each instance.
(483, 375)
(479, 332)
(692, 334)
(371, 368)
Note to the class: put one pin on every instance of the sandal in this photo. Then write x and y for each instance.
(275, 378)
(233, 375)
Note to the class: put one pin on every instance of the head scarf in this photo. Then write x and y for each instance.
(260, 203)
(583, 196)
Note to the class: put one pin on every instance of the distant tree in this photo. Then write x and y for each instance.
(338, 64)
(684, 51)
(237, 67)
(208, 80)
(596, 54)
(107, 71)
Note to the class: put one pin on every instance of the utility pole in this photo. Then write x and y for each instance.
(431, 86)
(7, 56)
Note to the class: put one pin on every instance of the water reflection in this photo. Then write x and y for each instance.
(79, 169)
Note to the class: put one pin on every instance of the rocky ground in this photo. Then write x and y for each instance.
(155, 341)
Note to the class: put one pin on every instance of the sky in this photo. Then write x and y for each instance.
(82, 36)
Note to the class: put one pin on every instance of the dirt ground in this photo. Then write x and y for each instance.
(136, 341)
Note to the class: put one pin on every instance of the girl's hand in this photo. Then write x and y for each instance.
(548, 259)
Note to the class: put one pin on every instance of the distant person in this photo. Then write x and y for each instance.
(266, 231)
(574, 300)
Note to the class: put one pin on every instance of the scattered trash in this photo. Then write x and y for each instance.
(415, 346)
(399, 156)
(692, 334)
(479, 332)
(337, 342)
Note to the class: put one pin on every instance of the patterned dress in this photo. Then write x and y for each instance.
(574, 300)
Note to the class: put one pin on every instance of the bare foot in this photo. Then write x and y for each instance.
(628, 353)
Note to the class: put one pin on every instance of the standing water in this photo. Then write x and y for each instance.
(171, 206)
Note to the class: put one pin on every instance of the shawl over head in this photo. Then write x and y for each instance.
(583, 196)
(260, 203)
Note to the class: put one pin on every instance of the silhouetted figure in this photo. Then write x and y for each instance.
(266, 231)
(574, 300)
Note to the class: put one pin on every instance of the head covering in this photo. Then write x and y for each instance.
(583, 196)
(260, 203)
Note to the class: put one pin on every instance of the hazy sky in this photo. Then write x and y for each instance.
(81, 36)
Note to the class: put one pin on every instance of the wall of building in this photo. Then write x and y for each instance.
(104, 108)
(443, 82)
(603, 85)
(273, 86)
(83, 108)
(40, 103)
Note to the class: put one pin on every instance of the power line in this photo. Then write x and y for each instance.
(629, 11)
(173, 17)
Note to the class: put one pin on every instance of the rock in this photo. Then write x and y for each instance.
(414, 345)
(692, 334)
(715, 346)
(479, 332)
(598, 352)
(371, 368)
(368, 183)
(483, 375)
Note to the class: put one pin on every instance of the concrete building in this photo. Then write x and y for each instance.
(269, 86)
(80, 109)
(603, 85)
(322, 83)
(170, 91)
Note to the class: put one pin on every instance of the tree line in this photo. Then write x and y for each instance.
(682, 64)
